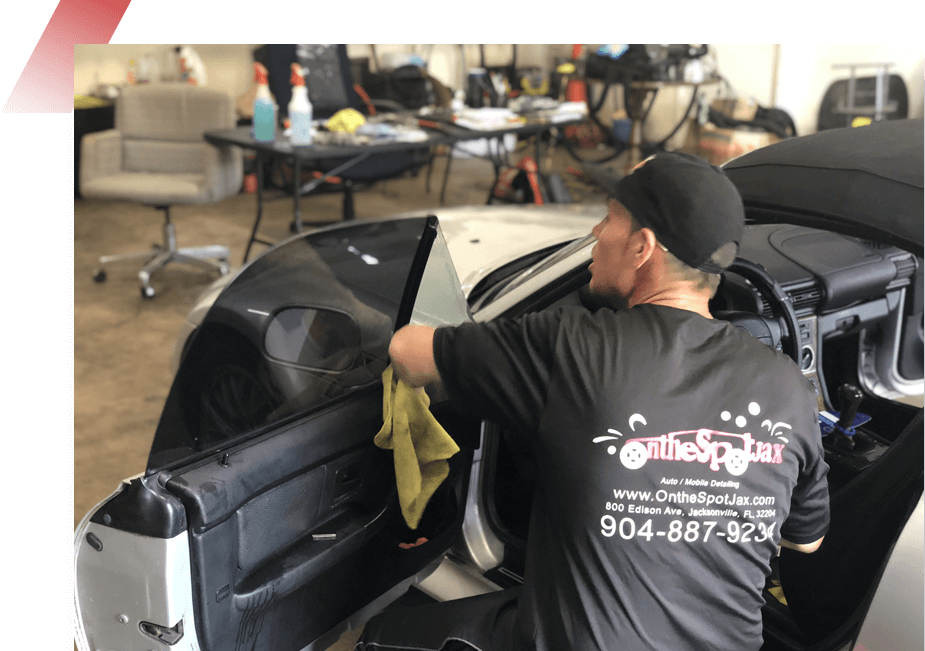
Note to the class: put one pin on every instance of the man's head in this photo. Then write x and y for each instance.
(674, 218)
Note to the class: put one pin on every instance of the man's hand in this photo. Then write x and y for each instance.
(412, 353)
(806, 548)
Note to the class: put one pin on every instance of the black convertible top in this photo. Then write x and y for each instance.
(864, 181)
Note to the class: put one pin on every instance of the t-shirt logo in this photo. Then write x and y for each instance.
(733, 451)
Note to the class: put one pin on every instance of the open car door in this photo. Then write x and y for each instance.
(266, 519)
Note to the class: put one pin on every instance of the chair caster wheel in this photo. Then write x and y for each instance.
(100, 276)
(147, 293)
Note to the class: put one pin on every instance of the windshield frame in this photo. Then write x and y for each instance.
(511, 283)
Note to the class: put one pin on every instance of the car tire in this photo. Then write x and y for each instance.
(233, 402)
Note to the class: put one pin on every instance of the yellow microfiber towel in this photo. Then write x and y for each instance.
(777, 591)
(421, 446)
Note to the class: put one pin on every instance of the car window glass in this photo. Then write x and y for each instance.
(303, 325)
(436, 302)
(321, 339)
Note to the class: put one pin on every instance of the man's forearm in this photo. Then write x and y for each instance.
(806, 548)
(412, 354)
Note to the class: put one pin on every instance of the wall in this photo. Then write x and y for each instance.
(803, 72)
(806, 73)
(792, 77)
(447, 64)
(228, 67)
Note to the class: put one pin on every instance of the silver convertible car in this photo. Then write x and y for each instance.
(267, 520)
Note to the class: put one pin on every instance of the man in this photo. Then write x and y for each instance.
(673, 452)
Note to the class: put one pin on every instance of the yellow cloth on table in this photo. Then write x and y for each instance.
(420, 444)
(88, 101)
(348, 120)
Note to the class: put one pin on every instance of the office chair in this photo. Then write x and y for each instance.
(863, 97)
(156, 156)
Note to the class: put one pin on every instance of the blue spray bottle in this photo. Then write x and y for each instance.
(264, 106)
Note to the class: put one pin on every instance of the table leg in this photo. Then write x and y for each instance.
(640, 112)
(430, 168)
(446, 175)
(296, 225)
(498, 160)
(253, 236)
(314, 183)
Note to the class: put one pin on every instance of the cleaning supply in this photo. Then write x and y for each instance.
(347, 120)
(192, 69)
(264, 106)
(300, 109)
(421, 446)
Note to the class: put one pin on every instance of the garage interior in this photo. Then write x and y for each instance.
(123, 342)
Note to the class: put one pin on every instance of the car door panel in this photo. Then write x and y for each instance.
(291, 522)
(262, 545)
(254, 468)
(253, 542)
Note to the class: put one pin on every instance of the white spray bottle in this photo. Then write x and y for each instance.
(300, 109)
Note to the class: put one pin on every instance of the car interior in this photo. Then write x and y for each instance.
(851, 299)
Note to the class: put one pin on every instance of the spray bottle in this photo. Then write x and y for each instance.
(300, 109)
(264, 106)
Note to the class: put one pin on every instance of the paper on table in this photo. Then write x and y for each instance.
(487, 119)
(570, 111)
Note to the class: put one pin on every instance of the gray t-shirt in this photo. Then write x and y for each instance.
(672, 453)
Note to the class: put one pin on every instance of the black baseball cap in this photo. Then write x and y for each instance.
(690, 205)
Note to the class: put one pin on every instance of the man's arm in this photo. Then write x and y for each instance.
(806, 548)
(412, 353)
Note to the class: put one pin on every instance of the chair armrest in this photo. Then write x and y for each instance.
(387, 105)
(100, 155)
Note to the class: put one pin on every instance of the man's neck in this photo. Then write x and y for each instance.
(680, 296)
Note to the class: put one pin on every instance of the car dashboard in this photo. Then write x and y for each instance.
(859, 310)
(839, 287)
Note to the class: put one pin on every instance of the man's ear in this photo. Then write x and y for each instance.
(643, 244)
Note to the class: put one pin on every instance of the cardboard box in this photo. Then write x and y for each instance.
(721, 145)
(687, 139)
(737, 109)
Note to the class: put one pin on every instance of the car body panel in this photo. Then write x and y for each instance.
(865, 182)
(131, 606)
(900, 599)
(484, 238)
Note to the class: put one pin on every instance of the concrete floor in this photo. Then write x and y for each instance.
(123, 343)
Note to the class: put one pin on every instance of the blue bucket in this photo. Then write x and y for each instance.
(622, 129)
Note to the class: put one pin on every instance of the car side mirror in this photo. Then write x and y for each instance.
(313, 338)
